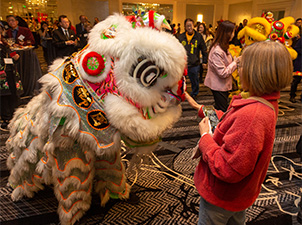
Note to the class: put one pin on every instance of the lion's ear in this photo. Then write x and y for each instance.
(103, 35)
(241, 33)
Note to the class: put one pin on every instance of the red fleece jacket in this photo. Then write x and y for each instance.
(234, 161)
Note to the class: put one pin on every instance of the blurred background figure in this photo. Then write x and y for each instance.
(34, 26)
(96, 20)
(81, 31)
(208, 39)
(297, 75)
(84, 37)
(72, 27)
(178, 30)
(298, 24)
(10, 83)
(45, 35)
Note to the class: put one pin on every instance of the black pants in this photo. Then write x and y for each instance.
(294, 85)
(200, 74)
(221, 100)
(45, 54)
(10, 100)
(8, 105)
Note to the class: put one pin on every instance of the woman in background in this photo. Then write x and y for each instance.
(45, 35)
(208, 40)
(221, 65)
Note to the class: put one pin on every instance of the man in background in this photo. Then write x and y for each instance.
(82, 33)
(298, 24)
(80, 27)
(194, 44)
(64, 39)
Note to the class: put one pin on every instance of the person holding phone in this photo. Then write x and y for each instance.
(234, 161)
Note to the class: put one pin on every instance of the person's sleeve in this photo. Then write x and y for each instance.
(57, 41)
(31, 37)
(219, 113)
(204, 52)
(219, 67)
(242, 143)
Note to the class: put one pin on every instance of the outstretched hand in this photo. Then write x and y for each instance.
(192, 102)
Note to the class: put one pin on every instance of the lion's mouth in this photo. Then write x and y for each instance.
(167, 100)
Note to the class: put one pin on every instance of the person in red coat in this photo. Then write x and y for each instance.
(22, 35)
(234, 160)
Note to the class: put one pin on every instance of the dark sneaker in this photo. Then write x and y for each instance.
(194, 97)
(133, 199)
(293, 100)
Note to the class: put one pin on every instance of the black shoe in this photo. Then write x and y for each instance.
(4, 126)
(133, 199)
(292, 99)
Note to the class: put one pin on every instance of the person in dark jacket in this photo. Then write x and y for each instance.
(84, 36)
(80, 27)
(194, 44)
(64, 39)
(297, 72)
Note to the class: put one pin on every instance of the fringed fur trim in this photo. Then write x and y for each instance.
(26, 189)
(74, 181)
(69, 216)
(83, 193)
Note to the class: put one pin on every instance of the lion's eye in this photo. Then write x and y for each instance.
(146, 72)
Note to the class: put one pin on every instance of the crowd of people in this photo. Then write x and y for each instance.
(27, 32)
(17, 32)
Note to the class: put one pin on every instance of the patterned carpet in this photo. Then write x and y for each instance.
(164, 184)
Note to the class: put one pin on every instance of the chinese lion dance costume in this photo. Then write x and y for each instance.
(125, 85)
(266, 29)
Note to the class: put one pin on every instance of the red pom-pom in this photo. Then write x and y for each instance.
(93, 64)
(281, 40)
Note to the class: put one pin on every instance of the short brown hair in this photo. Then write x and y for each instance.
(62, 17)
(266, 67)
